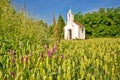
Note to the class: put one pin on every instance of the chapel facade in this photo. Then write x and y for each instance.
(73, 29)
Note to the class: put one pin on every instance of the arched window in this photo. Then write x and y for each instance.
(69, 15)
(82, 30)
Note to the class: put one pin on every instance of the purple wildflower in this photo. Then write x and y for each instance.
(62, 56)
(22, 59)
(12, 74)
(27, 60)
(54, 49)
(13, 60)
(11, 52)
(49, 53)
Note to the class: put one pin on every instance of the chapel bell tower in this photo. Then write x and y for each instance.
(70, 17)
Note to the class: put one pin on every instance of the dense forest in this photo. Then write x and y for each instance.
(102, 23)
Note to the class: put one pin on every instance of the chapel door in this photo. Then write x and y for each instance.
(69, 34)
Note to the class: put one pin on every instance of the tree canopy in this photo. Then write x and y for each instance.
(102, 23)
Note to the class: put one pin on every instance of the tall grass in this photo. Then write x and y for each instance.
(88, 59)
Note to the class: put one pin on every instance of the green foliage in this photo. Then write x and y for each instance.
(18, 26)
(56, 34)
(58, 29)
(102, 23)
(50, 31)
(61, 25)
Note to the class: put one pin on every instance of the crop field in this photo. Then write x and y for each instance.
(92, 59)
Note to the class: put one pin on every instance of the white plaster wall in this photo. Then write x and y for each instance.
(82, 35)
(66, 28)
(76, 32)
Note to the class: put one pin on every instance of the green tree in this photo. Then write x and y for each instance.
(55, 32)
(61, 25)
(79, 17)
(102, 23)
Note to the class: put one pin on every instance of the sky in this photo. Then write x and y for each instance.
(43, 9)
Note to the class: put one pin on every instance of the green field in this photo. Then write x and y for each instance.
(92, 59)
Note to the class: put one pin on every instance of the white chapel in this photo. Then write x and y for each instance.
(73, 29)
